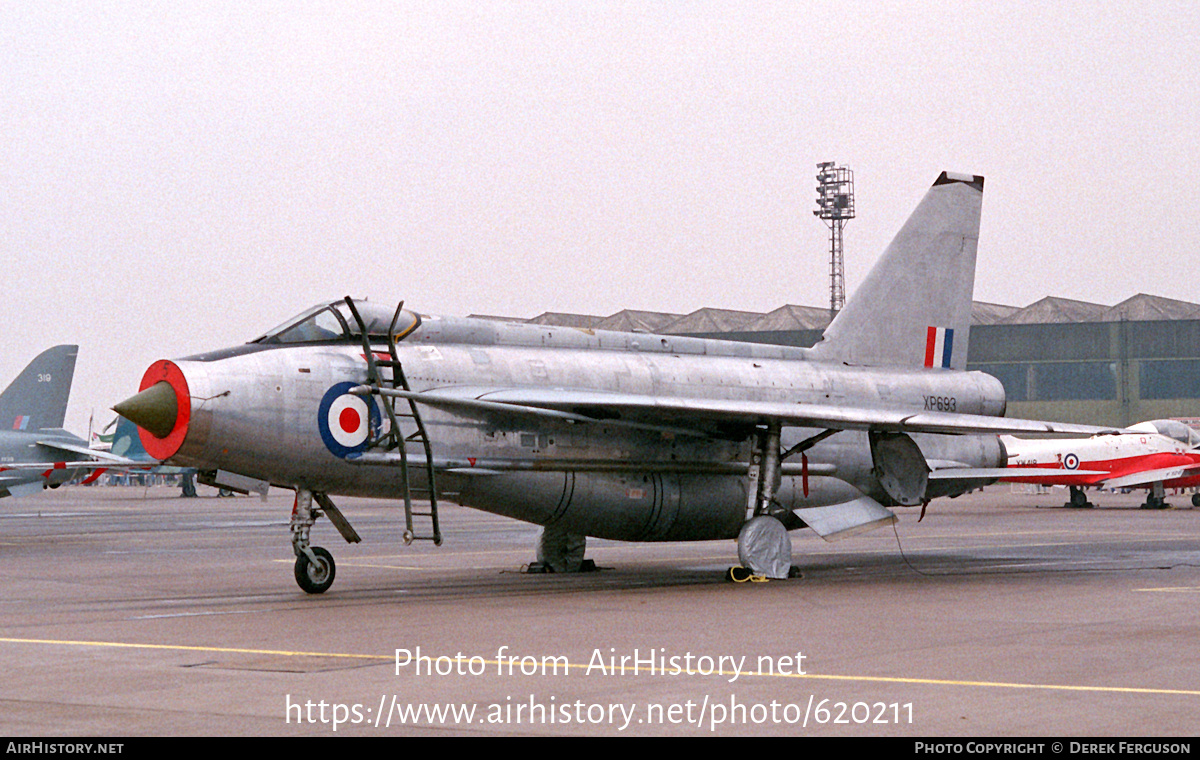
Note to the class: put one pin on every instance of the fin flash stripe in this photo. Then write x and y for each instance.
(939, 345)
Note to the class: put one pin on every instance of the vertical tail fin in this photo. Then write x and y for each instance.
(127, 443)
(914, 307)
(37, 398)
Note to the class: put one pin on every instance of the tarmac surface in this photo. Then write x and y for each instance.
(134, 612)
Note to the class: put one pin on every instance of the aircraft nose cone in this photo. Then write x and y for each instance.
(162, 410)
(154, 409)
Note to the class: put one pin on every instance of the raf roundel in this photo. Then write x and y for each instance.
(347, 422)
(1071, 462)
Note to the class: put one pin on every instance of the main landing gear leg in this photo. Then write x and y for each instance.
(1079, 499)
(1156, 498)
(764, 547)
(560, 552)
(314, 565)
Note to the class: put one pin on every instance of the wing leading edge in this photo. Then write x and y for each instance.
(705, 417)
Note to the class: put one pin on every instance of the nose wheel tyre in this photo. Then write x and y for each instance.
(316, 577)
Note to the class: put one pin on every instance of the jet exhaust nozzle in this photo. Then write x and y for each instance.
(155, 409)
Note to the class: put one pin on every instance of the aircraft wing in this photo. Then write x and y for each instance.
(81, 464)
(64, 465)
(1040, 475)
(706, 417)
(1150, 477)
(99, 460)
(106, 458)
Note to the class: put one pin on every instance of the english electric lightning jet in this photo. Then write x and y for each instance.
(626, 436)
(35, 451)
(1154, 455)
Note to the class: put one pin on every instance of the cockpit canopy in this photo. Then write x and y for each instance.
(334, 323)
(1172, 429)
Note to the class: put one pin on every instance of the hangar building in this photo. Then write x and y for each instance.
(1059, 359)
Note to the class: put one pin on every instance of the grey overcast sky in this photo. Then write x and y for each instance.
(179, 176)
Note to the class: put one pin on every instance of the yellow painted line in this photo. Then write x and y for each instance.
(186, 648)
(1184, 589)
(516, 664)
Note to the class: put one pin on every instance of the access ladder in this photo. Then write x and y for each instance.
(394, 438)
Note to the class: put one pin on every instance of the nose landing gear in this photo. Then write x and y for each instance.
(315, 568)
(315, 574)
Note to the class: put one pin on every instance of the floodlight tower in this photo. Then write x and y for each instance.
(835, 206)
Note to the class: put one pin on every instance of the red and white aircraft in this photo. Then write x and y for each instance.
(1155, 455)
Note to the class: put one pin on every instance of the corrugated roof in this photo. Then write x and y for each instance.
(1052, 309)
(991, 313)
(1144, 307)
(790, 317)
(1049, 310)
(712, 321)
(630, 320)
(561, 319)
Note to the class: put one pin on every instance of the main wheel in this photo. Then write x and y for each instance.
(315, 578)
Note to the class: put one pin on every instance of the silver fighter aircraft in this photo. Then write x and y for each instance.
(35, 451)
(624, 436)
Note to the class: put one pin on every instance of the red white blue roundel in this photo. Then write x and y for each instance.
(1071, 462)
(347, 422)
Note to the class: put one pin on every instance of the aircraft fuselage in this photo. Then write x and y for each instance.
(255, 411)
(1103, 459)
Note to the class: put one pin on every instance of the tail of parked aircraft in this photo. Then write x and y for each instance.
(914, 307)
(126, 443)
(37, 398)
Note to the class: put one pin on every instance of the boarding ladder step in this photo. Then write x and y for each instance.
(395, 439)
